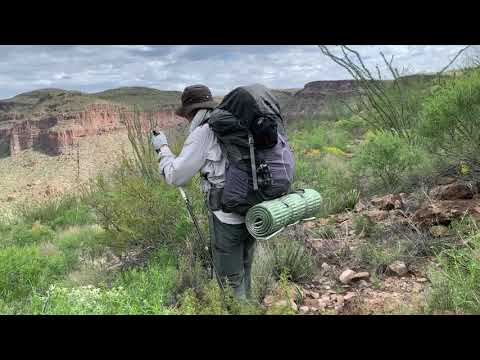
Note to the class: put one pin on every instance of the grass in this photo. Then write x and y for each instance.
(24, 269)
(455, 283)
(290, 255)
(135, 291)
(57, 212)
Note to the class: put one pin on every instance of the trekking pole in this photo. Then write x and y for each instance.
(200, 234)
(197, 226)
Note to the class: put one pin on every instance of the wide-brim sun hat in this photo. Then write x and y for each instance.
(195, 97)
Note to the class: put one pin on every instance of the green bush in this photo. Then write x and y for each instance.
(135, 291)
(86, 241)
(137, 212)
(387, 159)
(455, 284)
(23, 269)
(450, 120)
(25, 234)
(353, 125)
(56, 212)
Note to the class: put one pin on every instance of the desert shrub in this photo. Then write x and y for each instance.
(364, 225)
(91, 300)
(336, 202)
(378, 257)
(404, 242)
(213, 301)
(85, 242)
(285, 292)
(353, 125)
(20, 234)
(391, 105)
(56, 212)
(263, 276)
(137, 212)
(455, 283)
(23, 269)
(135, 291)
(289, 254)
(464, 227)
(321, 163)
(191, 274)
(322, 136)
(386, 160)
(325, 231)
(450, 120)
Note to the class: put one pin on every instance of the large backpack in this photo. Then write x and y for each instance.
(251, 132)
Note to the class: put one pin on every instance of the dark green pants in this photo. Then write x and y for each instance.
(232, 248)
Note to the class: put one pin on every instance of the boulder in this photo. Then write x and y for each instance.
(442, 212)
(452, 191)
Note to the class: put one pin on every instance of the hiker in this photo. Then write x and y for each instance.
(231, 245)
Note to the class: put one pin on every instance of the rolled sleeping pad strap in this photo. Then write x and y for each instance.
(268, 217)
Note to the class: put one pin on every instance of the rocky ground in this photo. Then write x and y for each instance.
(346, 285)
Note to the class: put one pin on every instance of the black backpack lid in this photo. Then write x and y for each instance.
(247, 103)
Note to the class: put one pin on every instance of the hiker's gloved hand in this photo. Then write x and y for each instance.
(159, 140)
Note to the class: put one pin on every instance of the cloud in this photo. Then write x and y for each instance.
(222, 67)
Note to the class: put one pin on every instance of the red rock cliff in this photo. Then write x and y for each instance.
(54, 134)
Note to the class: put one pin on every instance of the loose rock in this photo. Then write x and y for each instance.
(347, 276)
(304, 309)
(398, 267)
(439, 230)
(361, 275)
(388, 202)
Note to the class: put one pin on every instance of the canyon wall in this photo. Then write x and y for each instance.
(54, 134)
(315, 97)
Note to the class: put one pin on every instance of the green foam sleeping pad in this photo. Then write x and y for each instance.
(268, 217)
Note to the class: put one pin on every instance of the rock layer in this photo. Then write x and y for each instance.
(55, 133)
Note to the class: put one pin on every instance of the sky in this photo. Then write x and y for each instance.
(173, 67)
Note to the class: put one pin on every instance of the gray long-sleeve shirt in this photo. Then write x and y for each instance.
(201, 152)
